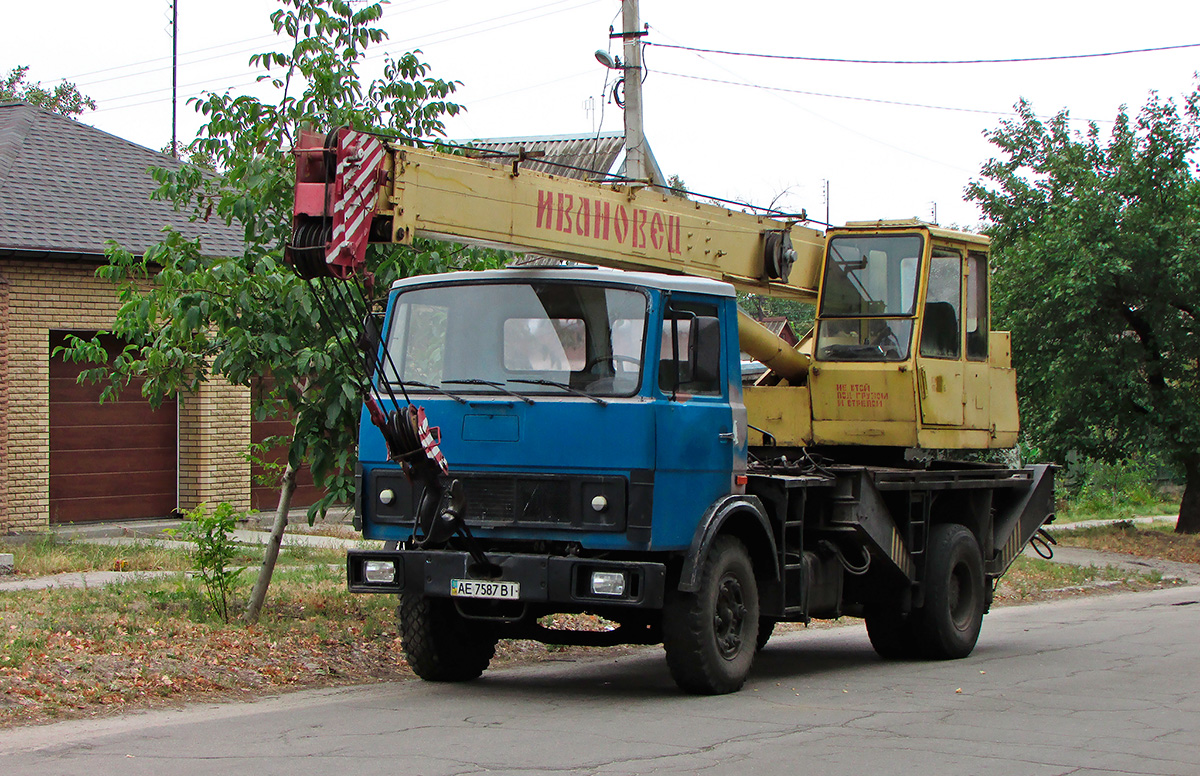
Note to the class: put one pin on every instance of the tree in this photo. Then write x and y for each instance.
(1097, 273)
(65, 98)
(800, 315)
(250, 319)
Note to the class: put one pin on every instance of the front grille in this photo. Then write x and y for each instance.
(490, 500)
(515, 500)
(531, 501)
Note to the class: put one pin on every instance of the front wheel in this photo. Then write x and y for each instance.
(439, 643)
(710, 635)
(955, 594)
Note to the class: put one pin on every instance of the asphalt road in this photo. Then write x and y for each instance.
(1102, 685)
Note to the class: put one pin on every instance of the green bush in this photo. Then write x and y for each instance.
(1122, 489)
(214, 552)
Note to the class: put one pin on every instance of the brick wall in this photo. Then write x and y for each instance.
(39, 296)
(214, 433)
(4, 382)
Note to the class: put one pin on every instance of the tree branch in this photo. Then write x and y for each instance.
(1145, 334)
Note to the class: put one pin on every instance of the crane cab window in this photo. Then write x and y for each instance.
(868, 298)
(976, 315)
(941, 328)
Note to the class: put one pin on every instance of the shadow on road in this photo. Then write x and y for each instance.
(644, 673)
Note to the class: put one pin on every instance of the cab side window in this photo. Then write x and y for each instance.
(680, 375)
(976, 317)
(942, 327)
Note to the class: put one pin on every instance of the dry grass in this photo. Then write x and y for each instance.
(335, 530)
(48, 554)
(1147, 541)
(1031, 579)
(80, 652)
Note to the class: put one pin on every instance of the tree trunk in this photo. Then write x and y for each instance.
(259, 594)
(1189, 508)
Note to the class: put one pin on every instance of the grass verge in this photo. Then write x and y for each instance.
(80, 652)
(1072, 512)
(48, 554)
(1157, 540)
(1033, 579)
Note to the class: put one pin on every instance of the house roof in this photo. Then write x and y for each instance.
(67, 188)
(780, 327)
(582, 157)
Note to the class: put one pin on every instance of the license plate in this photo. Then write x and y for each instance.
(474, 588)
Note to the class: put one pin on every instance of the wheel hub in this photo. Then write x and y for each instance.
(729, 617)
(959, 597)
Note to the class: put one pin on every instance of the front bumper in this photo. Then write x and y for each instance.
(543, 578)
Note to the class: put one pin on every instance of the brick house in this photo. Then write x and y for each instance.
(65, 189)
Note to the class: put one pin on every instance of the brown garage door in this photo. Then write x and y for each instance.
(110, 461)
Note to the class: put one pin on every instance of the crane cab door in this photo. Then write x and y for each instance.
(941, 383)
(977, 378)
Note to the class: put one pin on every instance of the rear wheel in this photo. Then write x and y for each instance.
(955, 594)
(439, 643)
(710, 636)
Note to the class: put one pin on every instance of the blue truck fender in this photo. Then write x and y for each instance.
(746, 519)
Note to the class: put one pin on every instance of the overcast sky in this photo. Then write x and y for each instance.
(891, 140)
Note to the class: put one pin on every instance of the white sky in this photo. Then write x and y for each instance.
(527, 68)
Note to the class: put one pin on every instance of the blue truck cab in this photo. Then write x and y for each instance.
(597, 408)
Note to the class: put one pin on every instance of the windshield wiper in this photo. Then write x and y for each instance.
(498, 386)
(565, 387)
(435, 389)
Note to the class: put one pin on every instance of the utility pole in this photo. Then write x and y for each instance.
(635, 145)
(174, 76)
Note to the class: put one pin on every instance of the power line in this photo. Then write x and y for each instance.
(827, 119)
(386, 49)
(1011, 60)
(80, 79)
(832, 96)
(392, 12)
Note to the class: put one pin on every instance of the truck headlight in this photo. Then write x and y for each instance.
(608, 583)
(379, 572)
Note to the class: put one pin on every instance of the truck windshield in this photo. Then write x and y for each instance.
(868, 296)
(585, 337)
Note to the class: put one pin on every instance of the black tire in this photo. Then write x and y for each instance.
(766, 626)
(893, 634)
(955, 594)
(710, 635)
(439, 643)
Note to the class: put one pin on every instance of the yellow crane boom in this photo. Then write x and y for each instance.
(878, 372)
